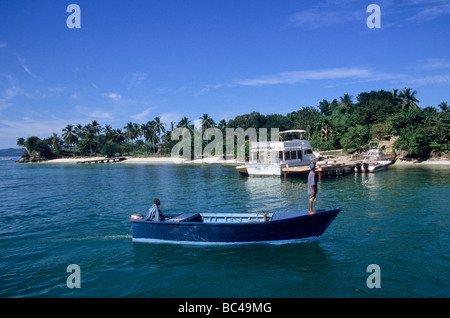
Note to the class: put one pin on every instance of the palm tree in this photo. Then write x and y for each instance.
(222, 125)
(21, 142)
(444, 107)
(118, 136)
(345, 103)
(88, 136)
(78, 130)
(96, 128)
(79, 135)
(184, 123)
(396, 99)
(409, 100)
(69, 135)
(109, 133)
(207, 122)
(137, 131)
(129, 131)
(148, 132)
(56, 143)
(159, 128)
(132, 132)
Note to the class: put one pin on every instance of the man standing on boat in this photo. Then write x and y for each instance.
(154, 213)
(312, 187)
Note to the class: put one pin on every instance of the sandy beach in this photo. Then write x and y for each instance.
(425, 162)
(157, 160)
(147, 160)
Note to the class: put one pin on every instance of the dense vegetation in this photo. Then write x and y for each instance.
(342, 123)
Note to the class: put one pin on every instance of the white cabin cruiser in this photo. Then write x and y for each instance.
(269, 158)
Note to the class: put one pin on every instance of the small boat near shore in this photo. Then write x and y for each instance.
(373, 162)
(233, 228)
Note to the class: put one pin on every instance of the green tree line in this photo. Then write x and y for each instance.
(344, 122)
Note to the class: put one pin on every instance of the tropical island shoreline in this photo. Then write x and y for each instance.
(393, 119)
(216, 160)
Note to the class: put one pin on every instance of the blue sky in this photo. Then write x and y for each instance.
(135, 60)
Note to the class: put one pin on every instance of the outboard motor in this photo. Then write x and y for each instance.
(366, 167)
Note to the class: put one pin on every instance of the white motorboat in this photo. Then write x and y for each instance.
(373, 162)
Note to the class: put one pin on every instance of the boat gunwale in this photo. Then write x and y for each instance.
(318, 213)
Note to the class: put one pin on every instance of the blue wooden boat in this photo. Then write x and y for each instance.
(233, 228)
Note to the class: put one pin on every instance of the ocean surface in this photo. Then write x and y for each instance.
(55, 215)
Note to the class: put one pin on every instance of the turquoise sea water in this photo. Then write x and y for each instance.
(54, 215)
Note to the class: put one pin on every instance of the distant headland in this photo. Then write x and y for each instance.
(11, 152)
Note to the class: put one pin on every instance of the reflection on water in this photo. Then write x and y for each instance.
(267, 190)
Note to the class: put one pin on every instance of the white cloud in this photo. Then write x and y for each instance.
(330, 77)
(429, 80)
(432, 64)
(4, 103)
(12, 92)
(28, 126)
(167, 118)
(327, 14)
(142, 116)
(136, 79)
(315, 18)
(9, 93)
(210, 87)
(331, 13)
(112, 96)
(431, 10)
(22, 63)
(293, 77)
(94, 113)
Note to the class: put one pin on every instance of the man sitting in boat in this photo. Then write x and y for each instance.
(154, 213)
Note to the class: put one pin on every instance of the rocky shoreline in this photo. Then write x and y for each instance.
(34, 156)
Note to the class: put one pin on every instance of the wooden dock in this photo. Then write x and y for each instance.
(323, 169)
(104, 160)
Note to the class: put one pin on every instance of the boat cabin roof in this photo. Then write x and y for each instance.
(292, 131)
(281, 145)
(296, 144)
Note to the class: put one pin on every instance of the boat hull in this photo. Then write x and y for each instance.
(242, 170)
(266, 169)
(286, 227)
(371, 168)
(378, 168)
